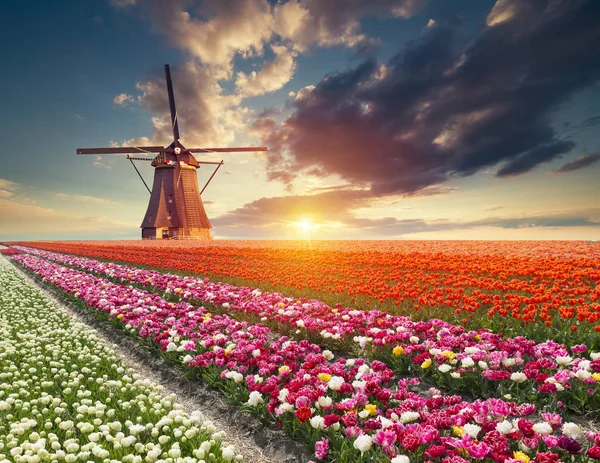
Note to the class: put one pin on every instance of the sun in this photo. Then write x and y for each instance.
(305, 224)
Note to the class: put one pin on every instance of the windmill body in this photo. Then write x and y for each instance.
(175, 209)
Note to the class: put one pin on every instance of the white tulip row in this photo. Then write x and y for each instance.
(66, 396)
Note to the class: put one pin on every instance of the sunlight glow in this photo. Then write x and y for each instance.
(305, 224)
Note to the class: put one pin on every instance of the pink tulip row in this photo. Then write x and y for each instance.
(547, 373)
(348, 409)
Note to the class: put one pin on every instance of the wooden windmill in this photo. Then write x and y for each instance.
(175, 209)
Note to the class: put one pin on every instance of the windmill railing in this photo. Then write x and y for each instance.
(190, 237)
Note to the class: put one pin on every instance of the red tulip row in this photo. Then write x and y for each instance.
(546, 292)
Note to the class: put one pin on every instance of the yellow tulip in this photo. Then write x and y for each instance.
(458, 431)
(325, 377)
(398, 351)
(521, 456)
(426, 364)
(372, 409)
(449, 354)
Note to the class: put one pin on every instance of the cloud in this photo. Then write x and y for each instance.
(7, 188)
(86, 199)
(123, 3)
(99, 162)
(273, 75)
(445, 107)
(328, 204)
(582, 161)
(333, 22)
(123, 99)
(212, 31)
(568, 218)
(339, 208)
(206, 114)
(215, 31)
(527, 161)
(592, 121)
(264, 212)
(24, 221)
(503, 10)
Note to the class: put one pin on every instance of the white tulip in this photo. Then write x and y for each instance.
(363, 443)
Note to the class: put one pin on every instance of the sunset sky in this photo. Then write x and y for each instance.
(408, 119)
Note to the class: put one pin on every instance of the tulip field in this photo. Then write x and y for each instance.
(441, 352)
(544, 290)
(65, 396)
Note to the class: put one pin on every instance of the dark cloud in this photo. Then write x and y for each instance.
(579, 163)
(444, 107)
(574, 218)
(529, 160)
(591, 122)
(587, 123)
(329, 206)
(340, 206)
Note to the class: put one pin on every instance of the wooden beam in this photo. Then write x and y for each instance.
(140, 175)
(121, 150)
(211, 177)
(140, 159)
(248, 149)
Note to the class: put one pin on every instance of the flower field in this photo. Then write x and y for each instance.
(388, 393)
(545, 290)
(448, 355)
(65, 396)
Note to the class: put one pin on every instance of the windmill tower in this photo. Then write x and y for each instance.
(175, 210)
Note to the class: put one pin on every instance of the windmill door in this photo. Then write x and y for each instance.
(165, 234)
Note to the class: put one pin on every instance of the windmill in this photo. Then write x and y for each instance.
(175, 210)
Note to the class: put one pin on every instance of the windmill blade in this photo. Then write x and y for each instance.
(121, 150)
(174, 122)
(247, 149)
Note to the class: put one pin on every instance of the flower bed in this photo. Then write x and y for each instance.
(346, 409)
(9, 251)
(65, 396)
(545, 291)
(546, 373)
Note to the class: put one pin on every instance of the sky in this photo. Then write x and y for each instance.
(384, 119)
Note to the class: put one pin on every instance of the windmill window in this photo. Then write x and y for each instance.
(149, 218)
(169, 216)
(170, 199)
